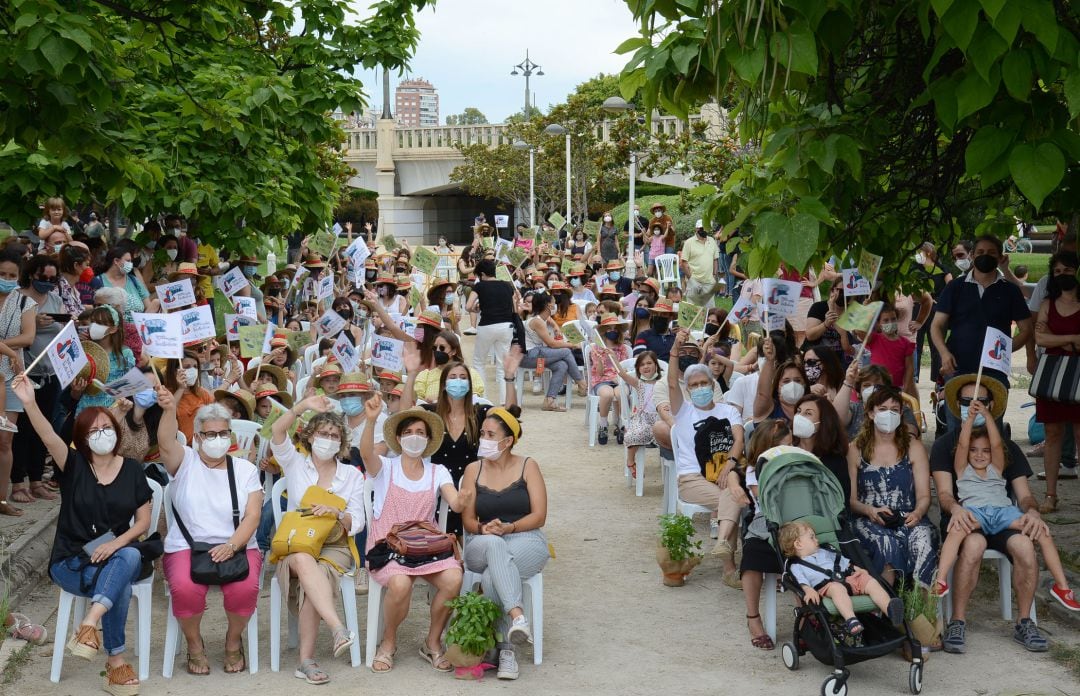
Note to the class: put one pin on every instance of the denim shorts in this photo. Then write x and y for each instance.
(596, 387)
(995, 519)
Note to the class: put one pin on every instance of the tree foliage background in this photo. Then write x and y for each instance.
(218, 109)
(470, 116)
(887, 121)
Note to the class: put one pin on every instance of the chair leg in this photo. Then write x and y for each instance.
(536, 600)
(63, 627)
(592, 420)
(1005, 583)
(639, 459)
(374, 620)
(253, 643)
(768, 589)
(143, 605)
(348, 601)
(172, 642)
(275, 626)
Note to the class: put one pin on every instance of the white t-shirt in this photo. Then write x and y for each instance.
(391, 466)
(358, 431)
(301, 474)
(1038, 294)
(741, 395)
(683, 432)
(202, 499)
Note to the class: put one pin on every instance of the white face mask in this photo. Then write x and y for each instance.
(324, 447)
(103, 441)
(886, 421)
(171, 253)
(488, 449)
(791, 392)
(801, 426)
(192, 376)
(868, 391)
(920, 258)
(215, 447)
(964, 264)
(658, 214)
(607, 218)
(413, 445)
(98, 331)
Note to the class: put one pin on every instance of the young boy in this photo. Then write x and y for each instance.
(979, 464)
(798, 540)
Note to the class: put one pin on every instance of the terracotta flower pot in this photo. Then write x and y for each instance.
(675, 572)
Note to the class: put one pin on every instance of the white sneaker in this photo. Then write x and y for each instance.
(1064, 472)
(469, 331)
(361, 581)
(508, 667)
(519, 632)
(714, 529)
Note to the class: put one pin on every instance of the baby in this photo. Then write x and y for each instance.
(798, 540)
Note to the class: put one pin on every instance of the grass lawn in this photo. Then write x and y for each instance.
(1036, 263)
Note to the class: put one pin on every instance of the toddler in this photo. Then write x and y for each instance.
(822, 572)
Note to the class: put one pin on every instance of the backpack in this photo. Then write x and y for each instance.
(713, 440)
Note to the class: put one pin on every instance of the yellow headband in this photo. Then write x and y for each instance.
(505, 416)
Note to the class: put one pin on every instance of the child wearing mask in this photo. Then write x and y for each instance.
(891, 350)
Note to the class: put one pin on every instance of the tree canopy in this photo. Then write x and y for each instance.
(219, 110)
(470, 116)
(888, 122)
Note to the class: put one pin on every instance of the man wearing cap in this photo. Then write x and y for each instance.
(658, 337)
(699, 262)
(1018, 546)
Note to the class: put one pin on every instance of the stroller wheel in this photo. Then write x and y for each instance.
(834, 687)
(791, 656)
(915, 678)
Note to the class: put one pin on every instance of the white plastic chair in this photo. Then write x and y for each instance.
(1004, 585)
(667, 269)
(301, 385)
(532, 597)
(173, 634)
(310, 354)
(317, 363)
(245, 432)
(141, 592)
(346, 586)
(254, 362)
(481, 401)
(376, 591)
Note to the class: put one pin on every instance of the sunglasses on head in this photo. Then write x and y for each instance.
(966, 400)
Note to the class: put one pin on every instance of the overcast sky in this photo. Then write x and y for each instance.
(468, 48)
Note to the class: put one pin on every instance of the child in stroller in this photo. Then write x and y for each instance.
(823, 572)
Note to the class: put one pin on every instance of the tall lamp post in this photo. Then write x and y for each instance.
(528, 69)
(620, 105)
(522, 145)
(556, 129)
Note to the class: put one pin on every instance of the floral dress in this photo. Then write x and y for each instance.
(639, 425)
(912, 551)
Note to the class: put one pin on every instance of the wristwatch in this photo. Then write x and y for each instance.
(341, 515)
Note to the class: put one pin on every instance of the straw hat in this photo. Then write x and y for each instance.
(610, 290)
(288, 272)
(663, 306)
(404, 282)
(313, 261)
(615, 265)
(284, 398)
(654, 206)
(612, 320)
(429, 318)
(329, 368)
(248, 261)
(281, 341)
(281, 379)
(652, 285)
(440, 284)
(389, 374)
(434, 424)
(577, 270)
(996, 389)
(385, 278)
(246, 399)
(559, 286)
(97, 365)
(185, 270)
(354, 383)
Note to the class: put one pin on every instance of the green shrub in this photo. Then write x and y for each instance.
(676, 532)
(472, 627)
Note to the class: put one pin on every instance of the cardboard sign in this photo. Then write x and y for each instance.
(486, 243)
(357, 253)
(232, 282)
(743, 309)
(571, 333)
(996, 351)
(557, 221)
(416, 299)
(176, 295)
(859, 317)
(548, 236)
(277, 410)
(388, 353)
(252, 340)
(502, 274)
(388, 242)
(425, 260)
(223, 305)
(326, 286)
(780, 297)
(855, 285)
(323, 243)
(233, 322)
(869, 265)
(297, 340)
(161, 334)
(330, 324)
(591, 228)
(245, 306)
(517, 256)
(502, 249)
(691, 316)
(66, 354)
(347, 354)
(197, 324)
(566, 266)
(134, 381)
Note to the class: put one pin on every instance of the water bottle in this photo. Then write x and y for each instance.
(271, 263)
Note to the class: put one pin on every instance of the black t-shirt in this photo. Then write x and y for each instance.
(941, 459)
(496, 301)
(88, 509)
(455, 455)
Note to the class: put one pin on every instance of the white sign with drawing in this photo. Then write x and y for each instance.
(161, 334)
(178, 294)
(134, 381)
(233, 281)
(197, 324)
(347, 354)
(388, 353)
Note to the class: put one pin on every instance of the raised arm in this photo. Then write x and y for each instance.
(763, 400)
(24, 389)
(997, 444)
(372, 461)
(842, 400)
(674, 373)
(172, 452)
(963, 442)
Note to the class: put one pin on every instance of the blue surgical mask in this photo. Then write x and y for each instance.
(980, 420)
(249, 271)
(575, 282)
(701, 396)
(614, 275)
(7, 286)
(457, 388)
(146, 398)
(352, 405)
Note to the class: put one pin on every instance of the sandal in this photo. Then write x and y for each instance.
(551, 405)
(633, 470)
(732, 579)
(40, 491)
(343, 639)
(20, 494)
(582, 390)
(1049, 505)
(234, 660)
(853, 626)
(764, 641)
(7, 426)
(437, 659)
(10, 510)
(118, 680)
(24, 629)
(85, 643)
(382, 657)
(197, 663)
(312, 673)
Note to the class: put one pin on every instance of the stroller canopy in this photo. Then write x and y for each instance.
(793, 484)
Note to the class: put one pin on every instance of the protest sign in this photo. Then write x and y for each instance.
(134, 381)
(859, 317)
(322, 243)
(571, 333)
(326, 286)
(855, 285)
(276, 411)
(252, 340)
(388, 353)
(502, 274)
(388, 242)
(347, 354)
(502, 221)
(556, 220)
(233, 322)
(416, 299)
(591, 228)
(425, 260)
(502, 248)
(175, 295)
(245, 306)
(65, 354)
(161, 334)
(691, 316)
(517, 255)
(197, 324)
(297, 340)
(330, 323)
(996, 351)
(781, 297)
(232, 282)
(868, 266)
(742, 309)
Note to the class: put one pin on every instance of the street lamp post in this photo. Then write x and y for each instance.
(527, 68)
(522, 145)
(556, 129)
(618, 105)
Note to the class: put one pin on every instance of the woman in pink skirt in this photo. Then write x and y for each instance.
(407, 488)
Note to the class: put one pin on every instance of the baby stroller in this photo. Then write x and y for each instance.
(793, 485)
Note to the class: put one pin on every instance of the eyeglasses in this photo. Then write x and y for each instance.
(211, 435)
(329, 436)
(98, 431)
(966, 400)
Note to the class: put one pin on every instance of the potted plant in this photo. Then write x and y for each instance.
(676, 552)
(921, 612)
(471, 632)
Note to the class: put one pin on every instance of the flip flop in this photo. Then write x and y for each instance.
(235, 661)
(10, 510)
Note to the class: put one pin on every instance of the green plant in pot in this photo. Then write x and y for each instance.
(676, 551)
(921, 612)
(472, 629)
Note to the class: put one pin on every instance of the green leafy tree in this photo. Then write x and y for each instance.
(219, 110)
(880, 124)
(469, 117)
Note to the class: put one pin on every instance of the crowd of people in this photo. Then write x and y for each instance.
(712, 399)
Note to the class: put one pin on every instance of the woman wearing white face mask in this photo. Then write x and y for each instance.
(105, 332)
(779, 387)
(217, 500)
(505, 520)
(817, 429)
(890, 492)
(607, 239)
(313, 584)
(863, 383)
(407, 488)
(182, 380)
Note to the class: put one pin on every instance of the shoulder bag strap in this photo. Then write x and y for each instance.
(183, 529)
(232, 492)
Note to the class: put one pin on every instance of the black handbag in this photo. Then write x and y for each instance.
(204, 571)
(1057, 378)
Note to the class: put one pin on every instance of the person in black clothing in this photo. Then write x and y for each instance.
(496, 300)
(642, 223)
(930, 267)
(816, 428)
(658, 337)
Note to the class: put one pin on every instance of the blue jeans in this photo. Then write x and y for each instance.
(561, 363)
(112, 590)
